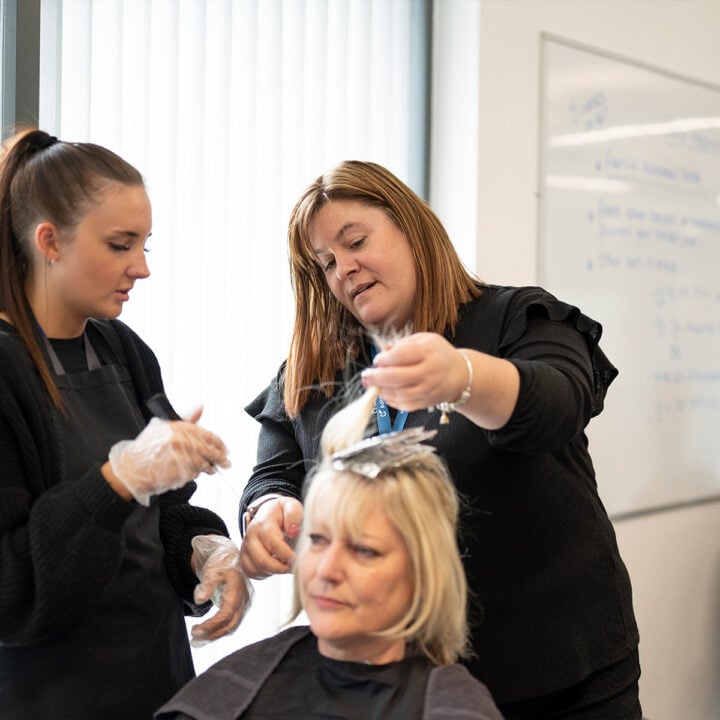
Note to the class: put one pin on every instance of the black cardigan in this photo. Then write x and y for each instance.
(60, 543)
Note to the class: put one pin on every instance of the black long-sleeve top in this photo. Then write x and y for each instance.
(551, 598)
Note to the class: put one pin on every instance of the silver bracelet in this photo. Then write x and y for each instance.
(446, 408)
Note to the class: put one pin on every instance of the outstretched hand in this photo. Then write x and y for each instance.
(418, 371)
(423, 370)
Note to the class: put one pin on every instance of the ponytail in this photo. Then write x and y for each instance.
(15, 256)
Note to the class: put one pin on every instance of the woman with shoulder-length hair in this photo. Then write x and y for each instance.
(510, 377)
(443, 283)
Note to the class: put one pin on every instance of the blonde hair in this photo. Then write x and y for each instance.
(420, 500)
(325, 335)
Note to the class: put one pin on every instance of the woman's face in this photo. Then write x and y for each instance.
(367, 263)
(353, 587)
(96, 268)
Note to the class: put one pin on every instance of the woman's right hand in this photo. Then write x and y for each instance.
(164, 456)
(267, 546)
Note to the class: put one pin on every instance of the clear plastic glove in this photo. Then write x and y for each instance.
(216, 562)
(165, 456)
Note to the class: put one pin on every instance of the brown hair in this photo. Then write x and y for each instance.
(325, 334)
(43, 179)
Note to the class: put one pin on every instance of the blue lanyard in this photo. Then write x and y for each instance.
(383, 417)
(382, 412)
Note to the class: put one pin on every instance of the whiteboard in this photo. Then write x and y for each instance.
(629, 230)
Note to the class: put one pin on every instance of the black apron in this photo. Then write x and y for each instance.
(131, 653)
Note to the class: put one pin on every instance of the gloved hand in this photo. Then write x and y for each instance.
(216, 562)
(165, 456)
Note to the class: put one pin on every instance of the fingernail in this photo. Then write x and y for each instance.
(293, 529)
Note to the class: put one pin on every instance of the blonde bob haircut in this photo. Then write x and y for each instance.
(325, 335)
(420, 500)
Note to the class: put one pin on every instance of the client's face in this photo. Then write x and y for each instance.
(353, 587)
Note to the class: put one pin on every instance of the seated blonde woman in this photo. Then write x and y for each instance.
(379, 576)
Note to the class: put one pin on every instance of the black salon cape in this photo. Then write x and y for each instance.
(61, 543)
(551, 598)
(253, 683)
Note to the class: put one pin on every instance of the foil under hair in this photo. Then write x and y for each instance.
(375, 454)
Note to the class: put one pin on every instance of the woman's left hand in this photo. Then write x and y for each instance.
(423, 370)
(216, 562)
(418, 371)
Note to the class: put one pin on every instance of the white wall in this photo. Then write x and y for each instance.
(673, 557)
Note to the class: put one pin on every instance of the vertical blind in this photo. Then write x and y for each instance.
(229, 108)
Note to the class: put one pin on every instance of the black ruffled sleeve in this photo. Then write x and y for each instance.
(534, 301)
